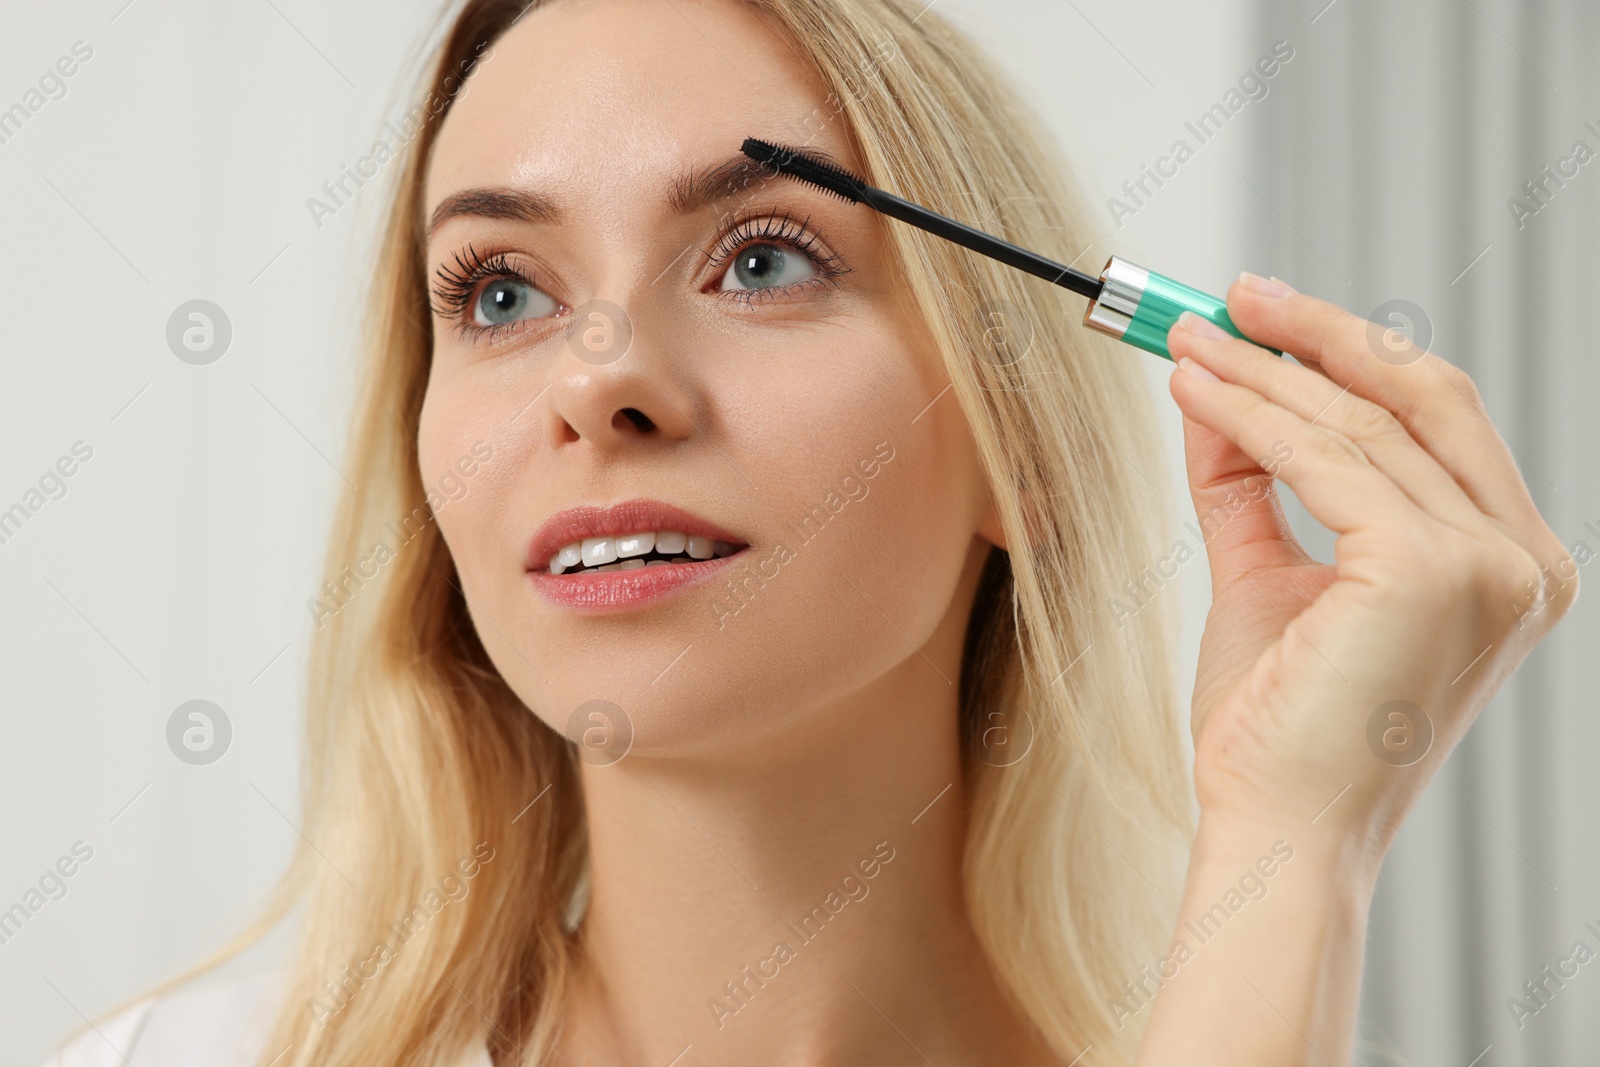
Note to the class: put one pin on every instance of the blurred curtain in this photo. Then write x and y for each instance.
(1423, 158)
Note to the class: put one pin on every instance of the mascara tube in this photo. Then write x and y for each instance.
(1139, 306)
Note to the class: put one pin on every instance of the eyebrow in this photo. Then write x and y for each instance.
(691, 191)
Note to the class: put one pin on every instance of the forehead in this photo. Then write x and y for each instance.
(584, 98)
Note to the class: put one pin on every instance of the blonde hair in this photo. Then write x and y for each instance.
(417, 751)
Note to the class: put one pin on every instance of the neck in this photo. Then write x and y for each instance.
(798, 900)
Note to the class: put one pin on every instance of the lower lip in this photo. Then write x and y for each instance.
(604, 592)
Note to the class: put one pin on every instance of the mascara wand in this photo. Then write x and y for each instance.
(1127, 301)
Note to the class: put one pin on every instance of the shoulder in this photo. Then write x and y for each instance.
(220, 1024)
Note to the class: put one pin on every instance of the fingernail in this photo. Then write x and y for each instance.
(1189, 365)
(1285, 284)
(1201, 326)
(1257, 284)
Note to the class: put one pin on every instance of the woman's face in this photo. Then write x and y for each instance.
(617, 320)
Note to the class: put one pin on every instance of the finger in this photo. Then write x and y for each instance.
(1333, 478)
(1436, 402)
(1236, 505)
(1306, 362)
(1320, 401)
(1311, 365)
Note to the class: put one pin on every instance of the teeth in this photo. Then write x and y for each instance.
(636, 544)
(568, 557)
(621, 553)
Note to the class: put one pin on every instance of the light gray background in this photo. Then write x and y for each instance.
(176, 567)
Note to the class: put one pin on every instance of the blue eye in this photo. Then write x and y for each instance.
(767, 266)
(507, 300)
(486, 294)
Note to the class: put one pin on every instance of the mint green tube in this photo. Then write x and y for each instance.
(1139, 306)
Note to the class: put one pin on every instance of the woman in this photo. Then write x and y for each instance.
(768, 688)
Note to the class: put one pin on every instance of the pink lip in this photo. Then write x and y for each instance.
(614, 590)
(610, 591)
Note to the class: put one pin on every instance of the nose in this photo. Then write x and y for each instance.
(613, 388)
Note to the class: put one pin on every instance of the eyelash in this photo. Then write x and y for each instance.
(777, 230)
(457, 284)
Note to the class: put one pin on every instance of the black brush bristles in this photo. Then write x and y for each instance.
(797, 164)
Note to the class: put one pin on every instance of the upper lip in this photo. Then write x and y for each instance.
(630, 516)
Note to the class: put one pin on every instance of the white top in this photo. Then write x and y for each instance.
(223, 1024)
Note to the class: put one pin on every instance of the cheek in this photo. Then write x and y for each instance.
(443, 430)
(467, 456)
(868, 483)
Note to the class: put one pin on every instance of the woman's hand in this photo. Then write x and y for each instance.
(1333, 692)
(1327, 695)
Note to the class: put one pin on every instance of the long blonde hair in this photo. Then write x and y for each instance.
(421, 763)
